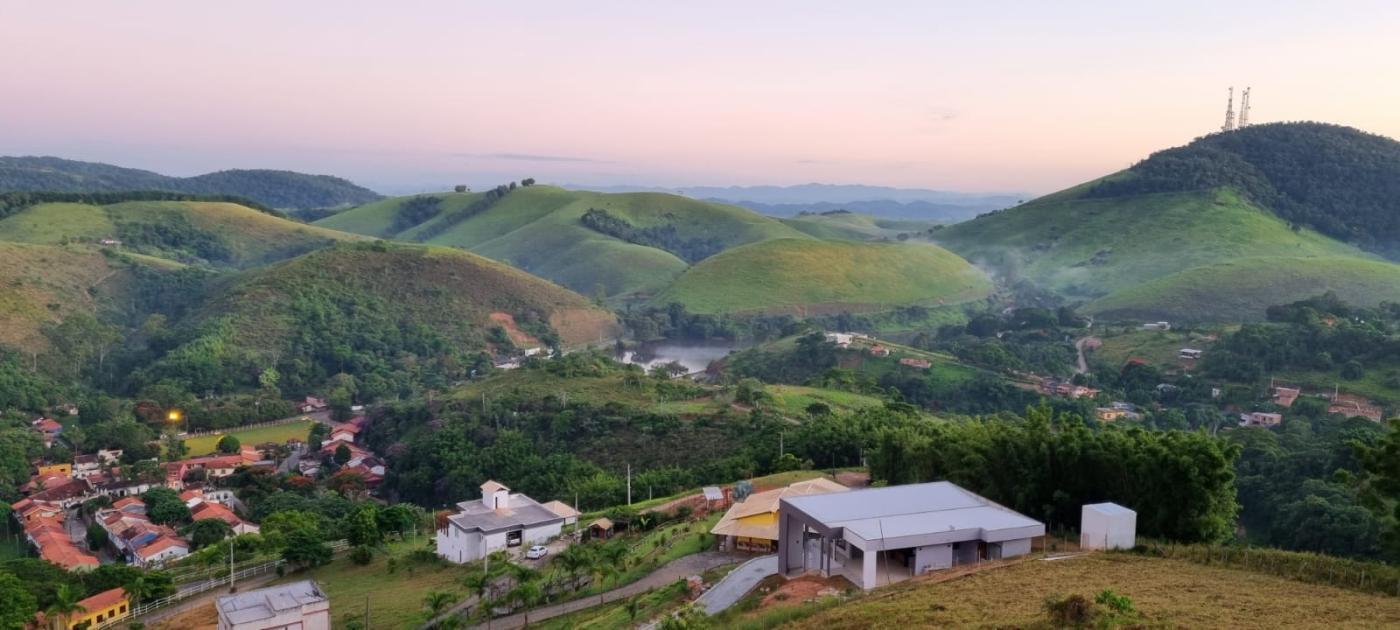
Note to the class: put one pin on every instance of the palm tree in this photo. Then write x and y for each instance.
(138, 590)
(574, 560)
(526, 594)
(436, 602)
(65, 605)
(604, 571)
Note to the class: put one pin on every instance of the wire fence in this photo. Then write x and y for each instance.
(220, 577)
(1357, 575)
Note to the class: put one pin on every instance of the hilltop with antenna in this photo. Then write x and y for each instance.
(1230, 111)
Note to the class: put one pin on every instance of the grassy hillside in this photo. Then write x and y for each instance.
(1091, 248)
(277, 189)
(1168, 593)
(1340, 181)
(379, 312)
(852, 226)
(380, 217)
(1241, 289)
(224, 234)
(43, 284)
(539, 229)
(449, 291)
(811, 276)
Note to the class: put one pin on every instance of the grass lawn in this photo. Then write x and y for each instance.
(795, 399)
(395, 599)
(1377, 383)
(1158, 347)
(1168, 593)
(206, 444)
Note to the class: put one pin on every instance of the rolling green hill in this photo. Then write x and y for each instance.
(277, 189)
(1183, 254)
(1234, 290)
(840, 224)
(370, 309)
(540, 229)
(808, 276)
(219, 233)
(42, 285)
(1340, 181)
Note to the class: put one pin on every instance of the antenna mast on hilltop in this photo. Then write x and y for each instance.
(1229, 112)
(1244, 109)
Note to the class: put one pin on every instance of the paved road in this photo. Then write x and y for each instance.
(738, 583)
(677, 569)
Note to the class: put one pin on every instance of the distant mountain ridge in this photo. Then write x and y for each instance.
(273, 188)
(879, 201)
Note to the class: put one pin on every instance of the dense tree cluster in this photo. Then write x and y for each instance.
(1317, 334)
(447, 221)
(413, 211)
(1049, 465)
(666, 237)
(13, 202)
(1340, 181)
(1296, 486)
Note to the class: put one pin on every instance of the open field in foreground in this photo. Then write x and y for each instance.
(1169, 593)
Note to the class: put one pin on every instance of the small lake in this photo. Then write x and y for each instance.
(695, 356)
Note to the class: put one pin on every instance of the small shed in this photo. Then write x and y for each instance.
(601, 529)
(715, 497)
(1107, 526)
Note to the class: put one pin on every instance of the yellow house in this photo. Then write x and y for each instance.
(101, 608)
(65, 469)
(752, 525)
(1105, 414)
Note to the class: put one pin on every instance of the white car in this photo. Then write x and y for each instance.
(537, 552)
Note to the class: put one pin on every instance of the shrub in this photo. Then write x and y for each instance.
(361, 555)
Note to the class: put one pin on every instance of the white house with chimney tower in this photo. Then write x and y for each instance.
(499, 520)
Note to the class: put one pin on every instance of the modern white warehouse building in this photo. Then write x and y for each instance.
(1107, 526)
(883, 535)
(498, 520)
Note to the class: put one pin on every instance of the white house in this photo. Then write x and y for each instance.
(497, 521)
(1107, 526)
(879, 536)
(300, 605)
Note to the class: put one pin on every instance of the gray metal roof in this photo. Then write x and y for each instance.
(911, 510)
(266, 603)
(523, 512)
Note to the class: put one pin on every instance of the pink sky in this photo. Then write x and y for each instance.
(1026, 96)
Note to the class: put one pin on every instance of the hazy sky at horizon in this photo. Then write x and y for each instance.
(1001, 96)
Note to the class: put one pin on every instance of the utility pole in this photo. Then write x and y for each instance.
(230, 565)
(629, 483)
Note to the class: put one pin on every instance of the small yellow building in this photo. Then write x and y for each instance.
(48, 470)
(1105, 414)
(101, 608)
(752, 525)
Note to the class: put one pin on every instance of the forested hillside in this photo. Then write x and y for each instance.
(1196, 255)
(1340, 181)
(277, 189)
(392, 317)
